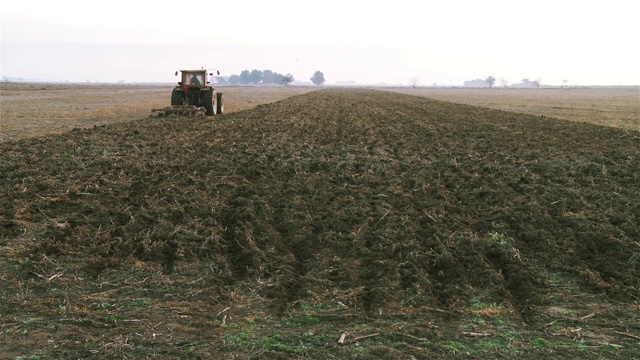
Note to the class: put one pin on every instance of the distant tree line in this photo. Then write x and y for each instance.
(255, 77)
(490, 82)
(264, 77)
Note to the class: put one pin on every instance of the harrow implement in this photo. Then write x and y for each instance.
(186, 110)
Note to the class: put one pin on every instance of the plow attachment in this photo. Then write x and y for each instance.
(188, 110)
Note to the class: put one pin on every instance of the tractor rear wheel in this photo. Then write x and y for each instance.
(210, 103)
(177, 98)
(220, 104)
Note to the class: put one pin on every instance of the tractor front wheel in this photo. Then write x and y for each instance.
(220, 104)
(209, 101)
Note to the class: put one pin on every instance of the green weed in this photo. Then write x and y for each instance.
(499, 238)
(610, 347)
(246, 337)
(277, 343)
(540, 343)
(104, 306)
(112, 319)
(302, 320)
(455, 347)
(137, 303)
(497, 226)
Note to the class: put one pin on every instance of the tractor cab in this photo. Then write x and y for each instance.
(197, 78)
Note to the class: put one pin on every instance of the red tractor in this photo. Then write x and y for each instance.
(194, 91)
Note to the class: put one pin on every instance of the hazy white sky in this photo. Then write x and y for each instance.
(444, 42)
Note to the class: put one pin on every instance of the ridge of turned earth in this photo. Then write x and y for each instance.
(397, 196)
(373, 198)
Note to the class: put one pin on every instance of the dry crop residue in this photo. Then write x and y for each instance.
(394, 207)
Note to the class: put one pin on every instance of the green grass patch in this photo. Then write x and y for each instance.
(456, 347)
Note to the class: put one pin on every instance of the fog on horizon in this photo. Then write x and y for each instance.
(362, 42)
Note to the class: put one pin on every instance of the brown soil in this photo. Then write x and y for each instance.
(171, 237)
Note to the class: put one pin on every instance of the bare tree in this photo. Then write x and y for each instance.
(504, 82)
(491, 80)
(414, 81)
(564, 83)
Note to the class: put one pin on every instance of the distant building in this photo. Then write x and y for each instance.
(476, 83)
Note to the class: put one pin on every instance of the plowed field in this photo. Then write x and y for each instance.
(340, 223)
